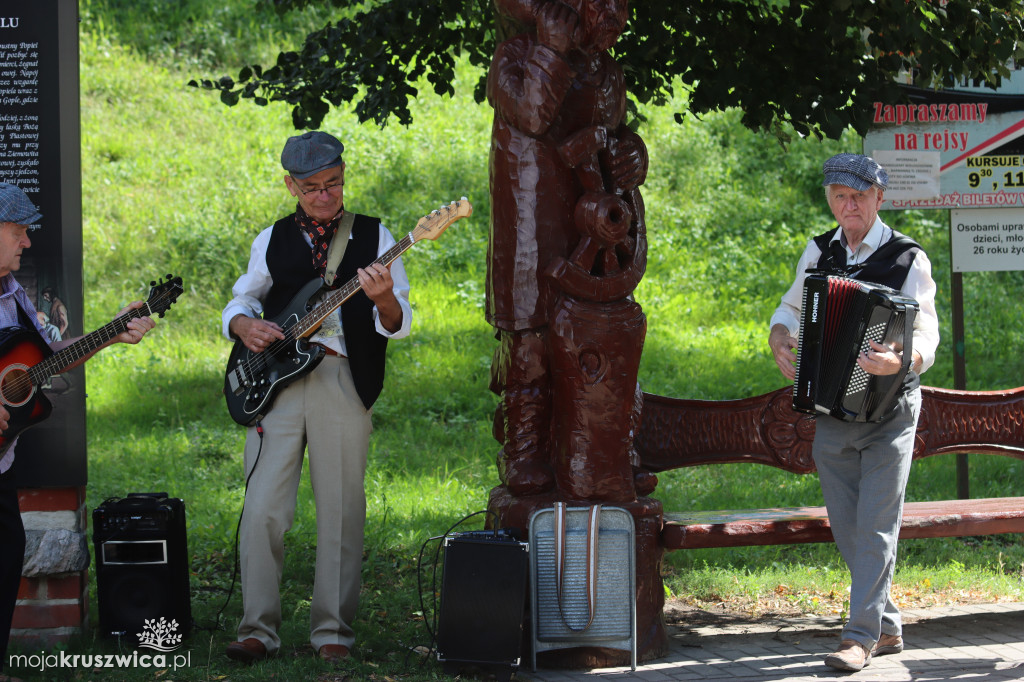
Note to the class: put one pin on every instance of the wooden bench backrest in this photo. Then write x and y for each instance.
(676, 433)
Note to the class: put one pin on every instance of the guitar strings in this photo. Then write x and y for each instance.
(34, 375)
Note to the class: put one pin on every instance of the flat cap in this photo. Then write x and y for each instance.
(16, 207)
(310, 153)
(854, 170)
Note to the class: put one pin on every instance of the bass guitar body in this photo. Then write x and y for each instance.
(20, 350)
(253, 380)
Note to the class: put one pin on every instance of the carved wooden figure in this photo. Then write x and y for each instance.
(567, 249)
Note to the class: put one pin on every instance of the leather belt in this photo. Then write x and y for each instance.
(330, 351)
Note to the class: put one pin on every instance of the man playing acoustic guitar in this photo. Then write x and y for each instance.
(17, 215)
(326, 408)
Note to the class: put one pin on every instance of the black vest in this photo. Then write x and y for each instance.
(889, 266)
(291, 266)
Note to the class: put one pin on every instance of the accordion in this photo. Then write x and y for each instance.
(838, 319)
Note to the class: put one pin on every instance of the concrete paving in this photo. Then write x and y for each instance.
(974, 642)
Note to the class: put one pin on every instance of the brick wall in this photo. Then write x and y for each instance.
(53, 601)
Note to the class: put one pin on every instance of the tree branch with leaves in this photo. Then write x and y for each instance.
(816, 66)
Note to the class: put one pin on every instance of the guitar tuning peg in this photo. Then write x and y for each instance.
(169, 276)
(152, 283)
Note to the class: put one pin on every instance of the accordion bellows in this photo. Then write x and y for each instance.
(838, 319)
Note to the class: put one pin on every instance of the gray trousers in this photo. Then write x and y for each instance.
(863, 469)
(323, 411)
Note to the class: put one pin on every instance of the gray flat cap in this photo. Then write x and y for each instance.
(310, 153)
(16, 207)
(854, 170)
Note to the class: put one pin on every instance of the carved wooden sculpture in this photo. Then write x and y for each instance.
(567, 248)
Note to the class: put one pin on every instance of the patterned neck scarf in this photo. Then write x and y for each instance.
(320, 235)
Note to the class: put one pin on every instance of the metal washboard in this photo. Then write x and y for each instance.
(589, 553)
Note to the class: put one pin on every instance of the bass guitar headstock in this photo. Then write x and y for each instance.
(436, 222)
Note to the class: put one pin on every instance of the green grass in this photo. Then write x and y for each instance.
(173, 181)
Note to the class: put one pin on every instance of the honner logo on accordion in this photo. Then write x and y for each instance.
(840, 318)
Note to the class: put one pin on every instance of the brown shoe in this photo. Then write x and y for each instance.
(248, 651)
(851, 655)
(888, 644)
(333, 653)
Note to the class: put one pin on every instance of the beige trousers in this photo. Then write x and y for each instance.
(321, 411)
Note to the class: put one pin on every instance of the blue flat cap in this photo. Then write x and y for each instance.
(854, 170)
(16, 207)
(310, 153)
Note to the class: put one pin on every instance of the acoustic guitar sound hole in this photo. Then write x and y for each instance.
(15, 386)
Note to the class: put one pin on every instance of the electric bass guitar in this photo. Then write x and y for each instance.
(253, 380)
(27, 362)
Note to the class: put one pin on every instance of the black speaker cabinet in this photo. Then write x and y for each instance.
(141, 564)
(483, 595)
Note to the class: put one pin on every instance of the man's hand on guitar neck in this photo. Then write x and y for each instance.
(136, 327)
(375, 280)
(255, 333)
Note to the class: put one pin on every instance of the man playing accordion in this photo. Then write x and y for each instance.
(863, 466)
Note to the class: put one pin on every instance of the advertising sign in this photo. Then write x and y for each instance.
(953, 148)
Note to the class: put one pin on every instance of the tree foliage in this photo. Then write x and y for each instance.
(816, 65)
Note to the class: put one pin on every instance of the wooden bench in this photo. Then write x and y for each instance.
(678, 433)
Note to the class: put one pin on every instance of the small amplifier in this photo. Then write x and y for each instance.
(142, 570)
(137, 513)
(483, 597)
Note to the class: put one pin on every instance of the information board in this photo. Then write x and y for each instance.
(40, 151)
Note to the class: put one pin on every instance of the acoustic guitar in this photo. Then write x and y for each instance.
(27, 362)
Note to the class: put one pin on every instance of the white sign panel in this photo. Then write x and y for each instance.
(912, 175)
(987, 239)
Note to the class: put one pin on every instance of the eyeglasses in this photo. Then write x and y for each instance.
(333, 190)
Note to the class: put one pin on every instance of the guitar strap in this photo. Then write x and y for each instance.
(338, 245)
